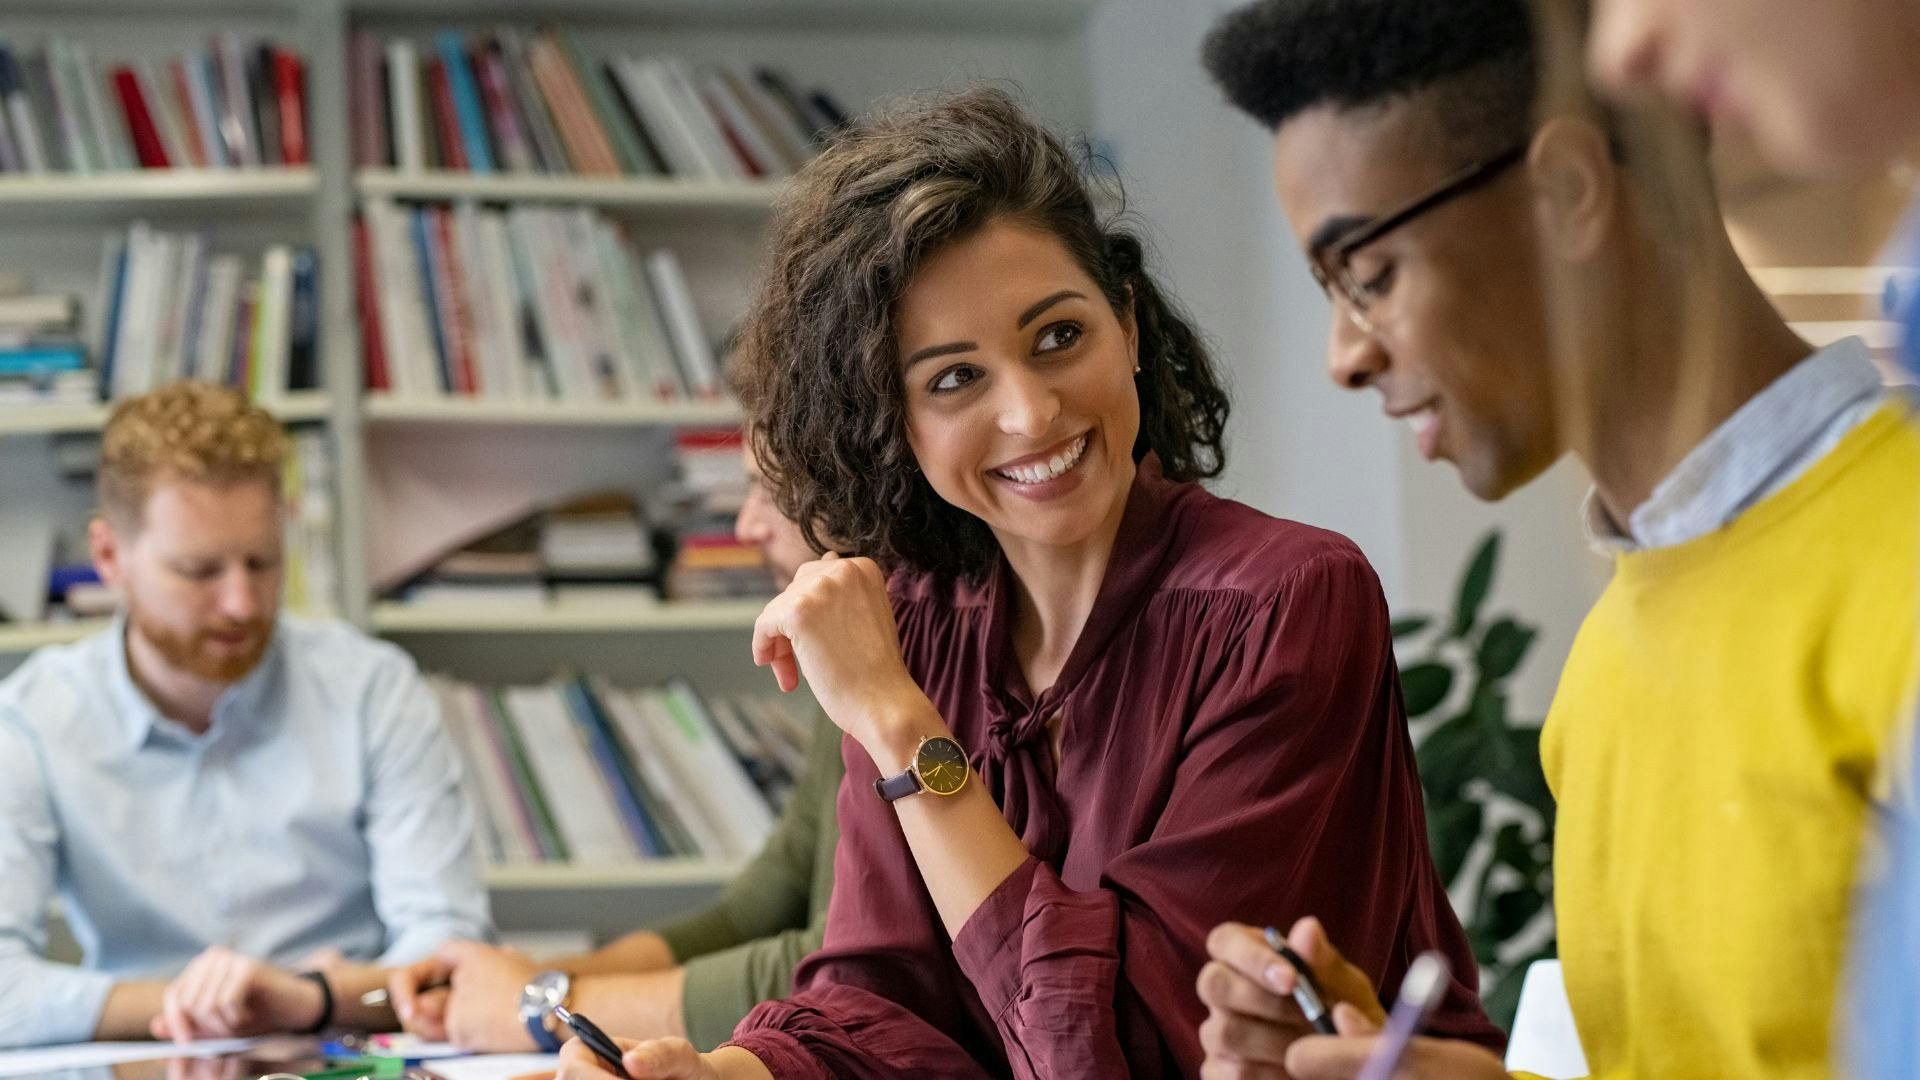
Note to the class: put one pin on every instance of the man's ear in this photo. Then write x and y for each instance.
(105, 544)
(1576, 186)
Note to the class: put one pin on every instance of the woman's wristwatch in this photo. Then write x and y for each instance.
(939, 765)
(537, 999)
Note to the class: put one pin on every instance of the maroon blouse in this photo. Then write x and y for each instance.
(1234, 748)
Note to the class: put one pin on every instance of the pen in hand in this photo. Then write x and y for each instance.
(597, 1041)
(1420, 994)
(1306, 989)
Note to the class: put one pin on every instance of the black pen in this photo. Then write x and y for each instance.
(595, 1039)
(1306, 989)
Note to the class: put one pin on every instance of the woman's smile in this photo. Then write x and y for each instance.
(1049, 474)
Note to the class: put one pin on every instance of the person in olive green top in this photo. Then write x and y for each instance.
(694, 978)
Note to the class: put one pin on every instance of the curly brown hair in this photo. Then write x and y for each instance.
(818, 367)
(194, 431)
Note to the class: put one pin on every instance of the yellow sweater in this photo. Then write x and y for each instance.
(1714, 749)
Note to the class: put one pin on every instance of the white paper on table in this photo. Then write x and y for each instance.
(1545, 1041)
(83, 1055)
(492, 1066)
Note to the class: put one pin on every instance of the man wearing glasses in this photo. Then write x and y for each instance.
(1520, 283)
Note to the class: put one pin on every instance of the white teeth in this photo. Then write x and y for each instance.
(1422, 421)
(1040, 474)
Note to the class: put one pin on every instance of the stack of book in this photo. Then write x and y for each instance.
(524, 304)
(533, 103)
(595, 549)
(710, 563)
(42, 360)
(174, 309)
(312, 585)
(580, 771)
(235, 104)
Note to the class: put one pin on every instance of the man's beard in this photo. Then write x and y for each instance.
(194, 653)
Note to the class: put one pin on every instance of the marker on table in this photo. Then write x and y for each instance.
(1420, 994)
(373, 999)
(1306, 989)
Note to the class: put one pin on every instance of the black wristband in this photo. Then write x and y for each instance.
(326, 1002)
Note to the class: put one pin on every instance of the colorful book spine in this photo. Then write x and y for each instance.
(445, 121)
(625, 145)
(451, 301)
(147, 146)
(42, 359)
(290, 97)
(496, 91)
(587, 145)
(618, 772)
(469, 115)
(508, 736)
(198, 71)
(433, 281)
(404, 102)
(373, 341)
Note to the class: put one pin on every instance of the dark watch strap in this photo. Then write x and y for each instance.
(326, 1002)
(542, 1038)
(895, 788)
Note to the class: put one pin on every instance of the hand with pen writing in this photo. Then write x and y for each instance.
(1253, 1031)
(661, 1059)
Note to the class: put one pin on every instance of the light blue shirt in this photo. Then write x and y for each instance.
(320, 809)
(1885, 1010)
(1764, 446)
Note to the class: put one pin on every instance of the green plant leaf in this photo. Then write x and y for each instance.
(1502, 999)
(1424, 686)
(1510, 848)
(1502, 648)
(1524, 779)
(1410, 625)
(1475, 585)
(1452, 829)
(1449, 758)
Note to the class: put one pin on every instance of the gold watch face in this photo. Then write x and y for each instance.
(942, 766)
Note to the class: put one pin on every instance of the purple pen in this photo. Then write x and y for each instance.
(1420, 994)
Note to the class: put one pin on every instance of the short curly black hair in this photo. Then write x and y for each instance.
(1276, 59)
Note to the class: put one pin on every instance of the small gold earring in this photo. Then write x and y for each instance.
(1136, 367)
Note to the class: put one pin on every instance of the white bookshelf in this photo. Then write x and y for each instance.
(302, 407)
(76, 200)
(1053, 16)
(548, 877)
(625, 192)
(864, 50)
(16, 638)
(387, 410)
(565, 617)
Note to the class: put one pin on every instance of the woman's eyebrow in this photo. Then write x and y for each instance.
(1026, 317)
(1033, 312)
(948, 349)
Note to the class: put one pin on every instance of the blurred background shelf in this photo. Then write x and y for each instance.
(70, 199)
(545, 877)
(18, 638)
(564, 617)
(597, 191)
(384, 409)
(296, 408)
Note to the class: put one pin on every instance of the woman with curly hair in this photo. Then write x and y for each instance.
(1092, 710)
